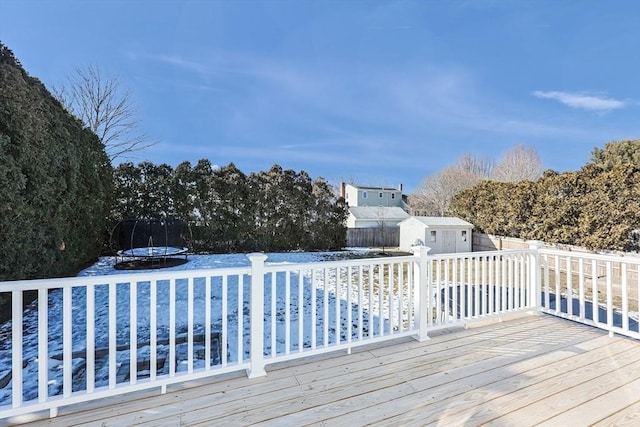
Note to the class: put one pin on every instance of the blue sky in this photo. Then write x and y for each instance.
(378, 92)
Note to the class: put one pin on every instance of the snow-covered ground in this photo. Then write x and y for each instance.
(234, 309)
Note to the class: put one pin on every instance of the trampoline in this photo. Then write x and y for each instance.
(150, 243)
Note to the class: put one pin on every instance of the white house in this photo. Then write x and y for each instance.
(374, 214)
(441, 234)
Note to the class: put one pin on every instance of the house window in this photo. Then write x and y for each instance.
(364, 194)
(464, 235)
(433, 236)
(380, 195)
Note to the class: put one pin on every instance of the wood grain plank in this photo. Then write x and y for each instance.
(333, 385)
(611, 402)
(627, 417)
(537, 403)
(337, 401)
(463, 388)
(158, 406)
(500, 373)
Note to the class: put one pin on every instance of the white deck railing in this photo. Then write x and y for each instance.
(106, 335)
(597, 290)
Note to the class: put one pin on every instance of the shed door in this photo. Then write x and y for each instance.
(448, 241)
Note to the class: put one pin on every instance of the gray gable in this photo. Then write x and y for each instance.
(378, 212)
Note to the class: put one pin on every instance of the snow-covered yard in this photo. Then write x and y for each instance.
(297, 298)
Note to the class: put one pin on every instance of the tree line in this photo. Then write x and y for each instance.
(61, 196)
(597, 207)
(229, 211)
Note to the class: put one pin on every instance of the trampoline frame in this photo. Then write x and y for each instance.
(131, 255)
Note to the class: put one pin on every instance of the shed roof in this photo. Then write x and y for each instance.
(442, 221)
(378, 213)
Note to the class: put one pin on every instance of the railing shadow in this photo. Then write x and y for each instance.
(585, 309)
(229, 337)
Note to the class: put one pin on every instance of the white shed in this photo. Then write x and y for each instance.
(442, 234)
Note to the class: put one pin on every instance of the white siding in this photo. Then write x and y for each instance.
(370, 196)
(448, 239)
(412, 233)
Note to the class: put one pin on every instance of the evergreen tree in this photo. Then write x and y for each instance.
(126, 182)
(610, 216)
(625, 152)
(228, 211)
(56, 181)
(183, 190)
(232, 225)
(327, 218)
(597, 207)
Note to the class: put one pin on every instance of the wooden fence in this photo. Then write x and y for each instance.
(487, 242)
(373, 237)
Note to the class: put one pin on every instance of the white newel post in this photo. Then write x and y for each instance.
(423, 292)
(534, 275)
(256, 368)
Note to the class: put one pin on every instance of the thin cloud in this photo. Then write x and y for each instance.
(333, 100)
(582, 101)
(174, 60)
(450, 100)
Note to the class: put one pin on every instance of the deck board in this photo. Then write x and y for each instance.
(471, 391)
(627, 417)
(530, 370)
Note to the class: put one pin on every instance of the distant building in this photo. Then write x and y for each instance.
(442, 234)
(364, 195)
(374, 214)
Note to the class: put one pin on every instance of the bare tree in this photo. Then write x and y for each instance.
(105, 108)
(381, 212)
(433, 195)
(474, 166)
(518, 164)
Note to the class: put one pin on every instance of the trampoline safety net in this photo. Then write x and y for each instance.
(150, 243)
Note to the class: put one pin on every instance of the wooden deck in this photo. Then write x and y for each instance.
(534, 370)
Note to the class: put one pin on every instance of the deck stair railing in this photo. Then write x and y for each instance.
(85, 338)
